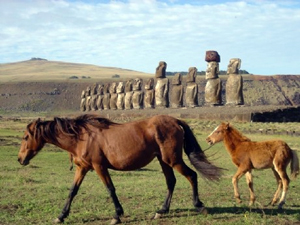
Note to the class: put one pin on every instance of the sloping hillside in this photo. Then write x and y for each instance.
(43, 70)
(45, 86)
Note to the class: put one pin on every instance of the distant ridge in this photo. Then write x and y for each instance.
(39, 69)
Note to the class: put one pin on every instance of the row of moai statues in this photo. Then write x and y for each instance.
(120, 95)
(130, 94)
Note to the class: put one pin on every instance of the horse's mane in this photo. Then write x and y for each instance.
(234, 132)
(68, 126)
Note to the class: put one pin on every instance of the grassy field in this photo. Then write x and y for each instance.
(36, 194)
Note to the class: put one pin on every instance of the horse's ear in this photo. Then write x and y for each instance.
(227, 126)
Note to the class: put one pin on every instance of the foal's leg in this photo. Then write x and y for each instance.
(79, 175)
(279, 182)
(249, 181)
(281, 170)
(235, 179)
(171, 181)
(192, 178)
(105, 177)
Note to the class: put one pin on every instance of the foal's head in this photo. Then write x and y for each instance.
(218, 134)
(31, 143)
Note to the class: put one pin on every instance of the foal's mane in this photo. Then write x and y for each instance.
(49, 130)
(236, 134)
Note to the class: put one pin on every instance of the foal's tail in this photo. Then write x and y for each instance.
(197, 156)
(294, 165)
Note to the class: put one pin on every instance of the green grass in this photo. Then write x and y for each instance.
(35, 194)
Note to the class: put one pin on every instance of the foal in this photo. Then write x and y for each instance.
(248, 155)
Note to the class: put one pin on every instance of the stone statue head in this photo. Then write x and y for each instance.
(100, 89)
(106, 88)
(212, 70)
(191, 76)
(120, 87)
(234, 66)
(161, 70)
(94, 89)
(137, 84)
(128, 85)
(88, 91)
(177, 79)
(113, 87)
(149, 84)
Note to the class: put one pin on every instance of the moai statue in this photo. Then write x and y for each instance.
(191, 92)
(121, 96)
(149, 94)
(88, 98)
(137, 97)
(113, 96)
(213, 88)
(234, 84)
(162, 86)
(100, 97)
(94, 97)
(176, 98)
(83, 101)
(106, 97)
(128, 94)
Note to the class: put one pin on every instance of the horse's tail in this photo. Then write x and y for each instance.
(294, 165)
(197, 156)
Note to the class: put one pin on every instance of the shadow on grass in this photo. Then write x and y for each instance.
(188, 212)
(241, 210)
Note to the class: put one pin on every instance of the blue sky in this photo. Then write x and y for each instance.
(137, 34)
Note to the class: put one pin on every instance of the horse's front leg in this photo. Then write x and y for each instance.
(79, 175)
(235, 180)
(249, 181)
(105, 177)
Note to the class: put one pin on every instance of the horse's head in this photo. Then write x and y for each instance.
(31, 143)
(218, 134)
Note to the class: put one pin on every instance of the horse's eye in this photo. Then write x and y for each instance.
(25, 138)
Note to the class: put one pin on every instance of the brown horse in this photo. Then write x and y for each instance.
(99, 144)
(248, 155)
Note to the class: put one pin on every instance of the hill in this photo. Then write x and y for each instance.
(38, 69)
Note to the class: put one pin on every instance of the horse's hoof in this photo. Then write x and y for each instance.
(57, 220)
(203, 211)
(157, 216)
(115, 221)
(239, 201)
(281, 205)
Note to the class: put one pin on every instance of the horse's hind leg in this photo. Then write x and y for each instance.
(279, 183)
(249, 181)
(281, 170)
(171, 181)
(105, 177)
(192, 178)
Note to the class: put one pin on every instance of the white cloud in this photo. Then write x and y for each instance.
(138, 34)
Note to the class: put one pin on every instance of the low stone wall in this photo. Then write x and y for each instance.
(291, 114)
